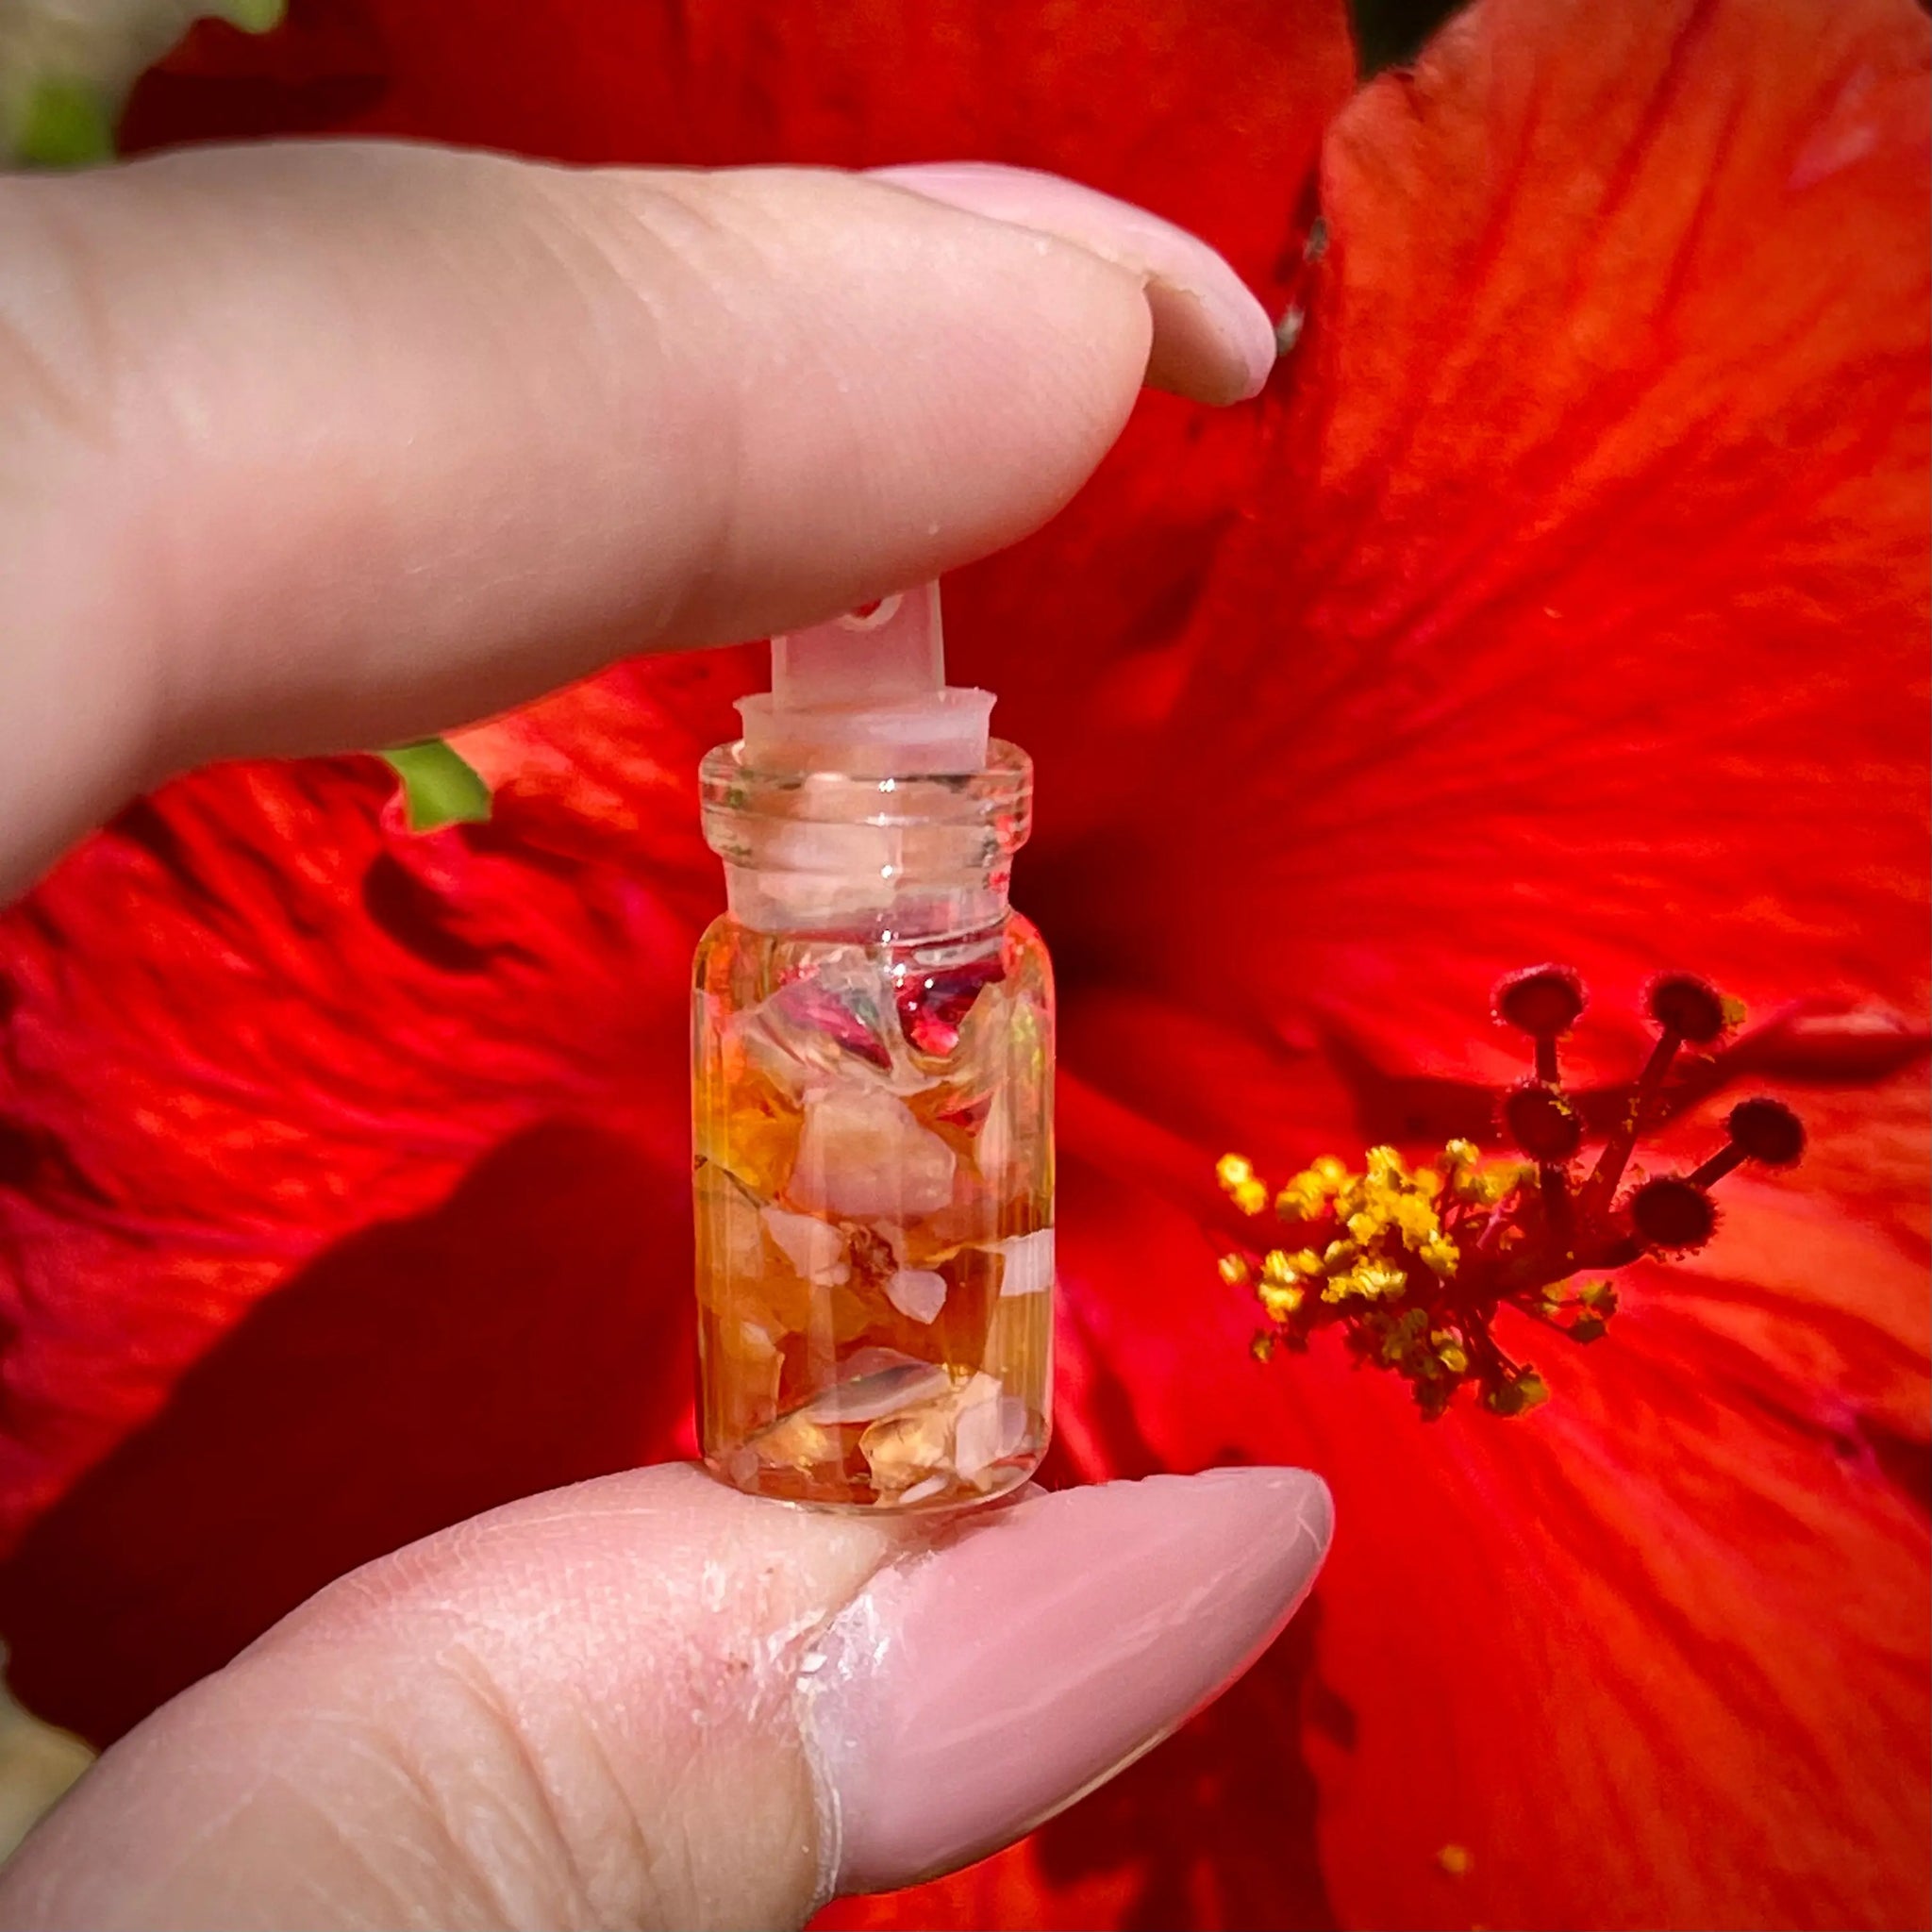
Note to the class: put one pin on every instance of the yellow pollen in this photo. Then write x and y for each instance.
(1484, 1187)
(1236, 1173)
(1454, 1860)
(1384, 1165)
(1367, 1282)
(1416, 1220)
(1526, 1392)
(1308, 1192)
(1379, 1280)
(1400, 1238)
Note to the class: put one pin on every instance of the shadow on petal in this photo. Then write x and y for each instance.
(532, 1331)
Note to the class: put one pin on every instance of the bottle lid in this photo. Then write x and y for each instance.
(867, 695)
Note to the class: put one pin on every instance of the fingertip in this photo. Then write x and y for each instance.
(1213, 340)
(1281, 1506)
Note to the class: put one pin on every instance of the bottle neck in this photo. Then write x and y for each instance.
(828, 853)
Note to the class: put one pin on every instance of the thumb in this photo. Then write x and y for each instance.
(650, 1701)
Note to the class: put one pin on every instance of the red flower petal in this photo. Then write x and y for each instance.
(1211, 117)
(1581, 612)
(254, 1019)
(1657, 1657)
(529, 1330)
(1583, 606)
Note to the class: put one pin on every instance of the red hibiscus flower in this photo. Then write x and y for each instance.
(1566, 596)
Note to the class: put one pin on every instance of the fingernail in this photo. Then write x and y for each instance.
(1213, 339)
(972, 1693)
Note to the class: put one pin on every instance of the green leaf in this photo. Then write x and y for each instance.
(251, 16)
(73, 63)
(439, 787)
(65, 124)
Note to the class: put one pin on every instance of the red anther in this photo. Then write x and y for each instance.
(1671, 1214)
(1543, 1001)
(1541, 1122)
(1687, 1007)
(1768, 1131)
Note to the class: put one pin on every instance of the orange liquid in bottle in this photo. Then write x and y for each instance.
(873, 1180)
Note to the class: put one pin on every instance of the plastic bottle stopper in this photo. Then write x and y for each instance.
(867, 695)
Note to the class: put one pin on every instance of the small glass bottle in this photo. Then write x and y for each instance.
(872, 1088)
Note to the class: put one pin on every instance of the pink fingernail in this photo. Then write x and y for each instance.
(1212, 338)
(969, 1694)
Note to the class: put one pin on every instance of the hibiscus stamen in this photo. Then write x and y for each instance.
(1673, 1215)
(1674, 1212)
(1541, 1122)
(1413, 1264)
(1544, 1002)
(1766, 1131)
(1685, 1009)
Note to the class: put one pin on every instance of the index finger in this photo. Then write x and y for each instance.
(318, 446)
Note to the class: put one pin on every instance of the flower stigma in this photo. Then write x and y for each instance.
(1412, 1264)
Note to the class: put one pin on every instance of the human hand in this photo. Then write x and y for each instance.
(312, 447)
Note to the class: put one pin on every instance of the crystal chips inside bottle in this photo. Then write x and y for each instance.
(874, 1212)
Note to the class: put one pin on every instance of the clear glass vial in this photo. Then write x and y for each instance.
(873, 1103)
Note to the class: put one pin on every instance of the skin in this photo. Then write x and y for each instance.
(318, 447)
(312, 447)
